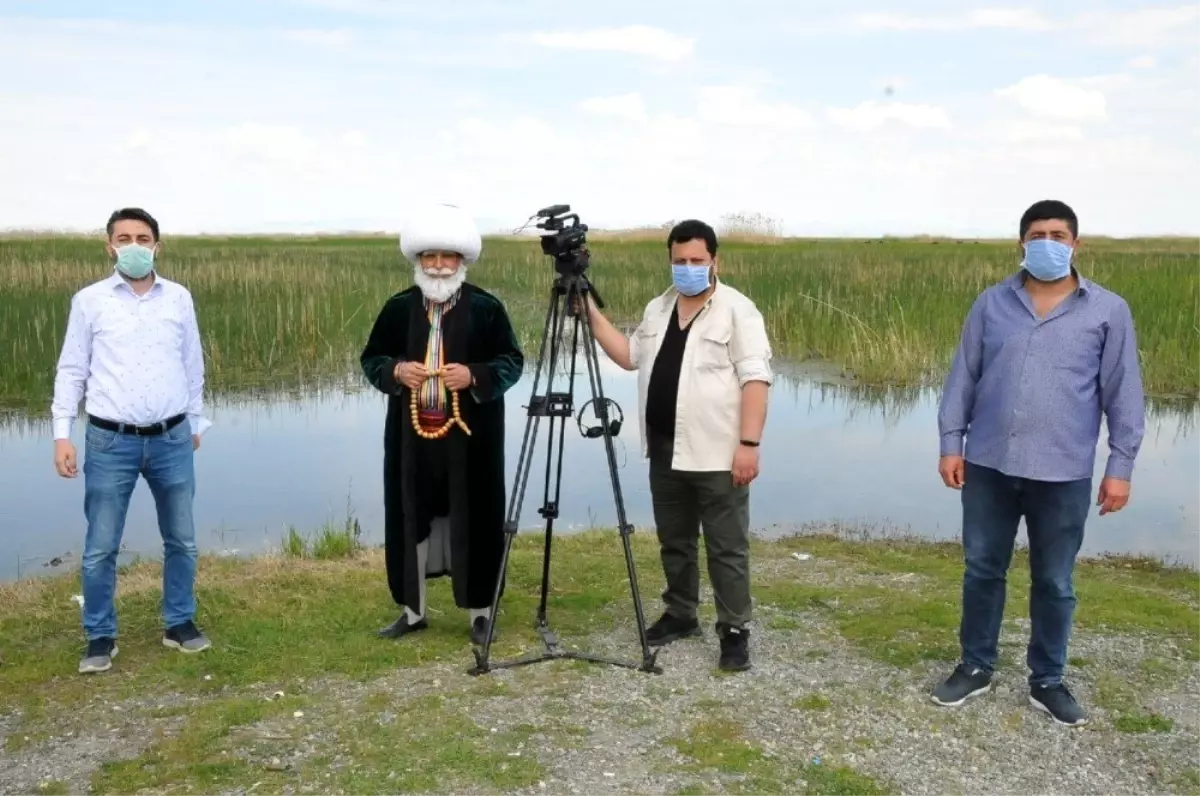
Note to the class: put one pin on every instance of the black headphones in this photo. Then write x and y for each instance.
(594, 432)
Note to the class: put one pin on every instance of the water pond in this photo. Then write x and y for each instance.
(832, 454)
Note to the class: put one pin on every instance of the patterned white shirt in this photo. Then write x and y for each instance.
(137, 359)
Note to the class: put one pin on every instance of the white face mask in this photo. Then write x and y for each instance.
(439, 284)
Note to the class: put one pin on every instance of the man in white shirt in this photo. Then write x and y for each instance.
(132, 353)
(704, 369)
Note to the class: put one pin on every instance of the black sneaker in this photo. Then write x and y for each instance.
(735, 648)
(964, 683)
(185, 637)
(99, 655)
(1058, 702)
(670, 628)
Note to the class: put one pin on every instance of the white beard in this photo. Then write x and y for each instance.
(439, 288)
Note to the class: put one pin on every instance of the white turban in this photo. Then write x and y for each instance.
(440, 228)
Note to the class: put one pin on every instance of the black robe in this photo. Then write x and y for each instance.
(476, 333)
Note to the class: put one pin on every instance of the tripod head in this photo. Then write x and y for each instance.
(568, 248)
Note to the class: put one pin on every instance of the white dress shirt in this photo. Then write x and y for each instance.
(137, 359)
(726, 348)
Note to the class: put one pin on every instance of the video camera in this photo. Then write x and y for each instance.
(568, 244)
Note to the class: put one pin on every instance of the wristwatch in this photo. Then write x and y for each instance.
(749, 443)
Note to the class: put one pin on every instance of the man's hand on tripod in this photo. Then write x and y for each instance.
(411, 374)
(745, 465)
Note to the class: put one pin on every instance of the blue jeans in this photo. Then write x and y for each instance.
(111, 466)
(1055, 512)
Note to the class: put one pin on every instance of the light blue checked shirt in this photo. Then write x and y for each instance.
(1028, 393)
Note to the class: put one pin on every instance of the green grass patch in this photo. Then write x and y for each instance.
(255, 610)
(912, 614)
(897, 602)
(721, 746)
(1119, 697)
(815, 702)
(428, 748)
(274, 314)
(1143, 722)
(328, 542)
(1187, 782)
(203, 756)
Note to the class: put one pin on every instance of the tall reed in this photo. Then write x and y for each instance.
(286, 313)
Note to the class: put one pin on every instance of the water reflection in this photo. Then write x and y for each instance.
(833, 453)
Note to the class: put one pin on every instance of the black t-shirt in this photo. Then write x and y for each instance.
(663, 392)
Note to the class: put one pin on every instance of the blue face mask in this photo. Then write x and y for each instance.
(135, 261)
(1047, 260)
(690, 280)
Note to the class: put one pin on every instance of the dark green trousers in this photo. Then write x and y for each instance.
(684, 504)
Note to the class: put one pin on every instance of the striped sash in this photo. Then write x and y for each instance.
(433, 399)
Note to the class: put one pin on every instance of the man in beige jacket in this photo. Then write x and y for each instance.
(704, 369)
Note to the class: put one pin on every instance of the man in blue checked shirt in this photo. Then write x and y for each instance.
(1043, 355)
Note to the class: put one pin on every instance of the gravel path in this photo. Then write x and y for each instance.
(816, 714)
(598, 729)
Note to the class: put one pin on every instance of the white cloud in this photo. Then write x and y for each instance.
(263, 136)
(630, 107)
(270, 142)
(338, 39)
(1056, 99)
(871, 115)
(1106, 83)
(997, 18)
(138, 139)
(1146, 28)
(633, 40)
(1143, 62)
(1028, 131)
(741, 106)
(1149, 28)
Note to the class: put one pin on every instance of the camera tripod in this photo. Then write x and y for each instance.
(568, 296)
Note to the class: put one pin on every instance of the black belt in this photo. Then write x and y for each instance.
(151, 430)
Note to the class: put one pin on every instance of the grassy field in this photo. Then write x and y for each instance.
(282, 313)
(299, 696)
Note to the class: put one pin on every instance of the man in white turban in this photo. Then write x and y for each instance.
(445, 353)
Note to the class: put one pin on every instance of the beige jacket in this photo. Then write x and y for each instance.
(727, 348)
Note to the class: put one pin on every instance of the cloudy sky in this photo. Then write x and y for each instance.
(841, 117)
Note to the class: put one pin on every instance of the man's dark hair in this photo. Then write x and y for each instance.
(1046, 210)
(690, 230)
(132, 214)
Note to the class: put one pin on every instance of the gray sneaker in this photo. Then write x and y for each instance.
(99, 655)
(964, 683)
(186, 637)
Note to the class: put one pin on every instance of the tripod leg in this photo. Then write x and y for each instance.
(566, 289)
(520, 480)
(550, 508)
(592, 357)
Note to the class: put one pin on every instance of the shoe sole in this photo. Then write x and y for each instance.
(96, 669)
(175, 645)
(969, 695)
(734, 668)
(1057, 720)
(661, 642)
